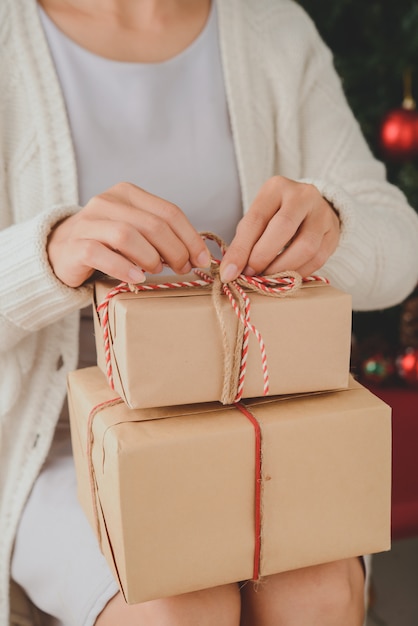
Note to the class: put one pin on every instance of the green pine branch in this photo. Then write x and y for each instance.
(373, 43)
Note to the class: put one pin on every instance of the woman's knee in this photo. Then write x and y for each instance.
(327, 594)
(219, 606)
(340, 593)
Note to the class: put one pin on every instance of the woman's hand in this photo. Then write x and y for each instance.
(289, 226)
(121, 232)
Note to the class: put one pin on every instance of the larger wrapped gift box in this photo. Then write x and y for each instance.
(166, 346)
(180, 499)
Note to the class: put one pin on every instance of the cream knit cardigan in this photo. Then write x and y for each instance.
(288, 116)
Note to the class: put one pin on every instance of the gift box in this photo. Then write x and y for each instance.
(190, 497)
(167, 346)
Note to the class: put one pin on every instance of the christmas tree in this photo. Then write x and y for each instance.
(375, 46)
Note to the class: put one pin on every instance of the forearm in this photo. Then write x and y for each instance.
(377, 257)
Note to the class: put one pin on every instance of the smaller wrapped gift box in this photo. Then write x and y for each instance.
(166, 346)
(185, 498)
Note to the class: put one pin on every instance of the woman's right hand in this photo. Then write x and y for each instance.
(121, 232)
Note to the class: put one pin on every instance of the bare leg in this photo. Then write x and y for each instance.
(219, 606)
(323, 595)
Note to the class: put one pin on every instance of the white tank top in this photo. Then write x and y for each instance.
(162, 126)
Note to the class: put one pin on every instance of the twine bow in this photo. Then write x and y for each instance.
(277, 285)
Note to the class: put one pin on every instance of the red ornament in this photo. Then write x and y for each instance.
(399, 129)
(407, 365)
(399, 134)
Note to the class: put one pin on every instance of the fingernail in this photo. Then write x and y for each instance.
(229, 273)
(203, 260)
(248, 271)
(136, 276)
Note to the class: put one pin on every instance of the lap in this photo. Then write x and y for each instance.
(56, 558)
(330, 593)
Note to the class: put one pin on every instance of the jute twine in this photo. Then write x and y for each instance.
(235, 350)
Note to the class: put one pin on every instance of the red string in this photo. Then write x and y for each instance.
(257, 493)
(93, 490)
(123, 287)
(275, 285)
(257, 475)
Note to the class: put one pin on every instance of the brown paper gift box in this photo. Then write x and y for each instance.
(176, 497)
(166, 346)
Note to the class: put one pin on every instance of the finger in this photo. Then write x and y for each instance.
(297, 257)
(156, 241)
(278, 234)
(111, 262)
(235, 258)
(315, 241)
(294, 258)
(276, 202)
(304, 217)
(304, 247)
(123, 238)
(82, 257)
(138, 198)
(165, 241)
(317, 262)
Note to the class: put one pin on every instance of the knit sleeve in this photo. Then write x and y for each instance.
(31, 297)
(377, 258)
(37, 181)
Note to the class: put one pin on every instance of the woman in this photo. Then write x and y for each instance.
(224, 116)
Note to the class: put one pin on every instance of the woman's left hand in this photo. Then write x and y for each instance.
(289, 226)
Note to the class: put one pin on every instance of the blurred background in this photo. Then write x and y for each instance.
(375, 46)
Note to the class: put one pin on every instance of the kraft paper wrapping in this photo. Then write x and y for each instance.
(166, 346)
(175, 486)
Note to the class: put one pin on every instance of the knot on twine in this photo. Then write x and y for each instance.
(235, 350)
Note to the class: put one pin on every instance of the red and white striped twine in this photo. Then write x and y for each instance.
(277, 285)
